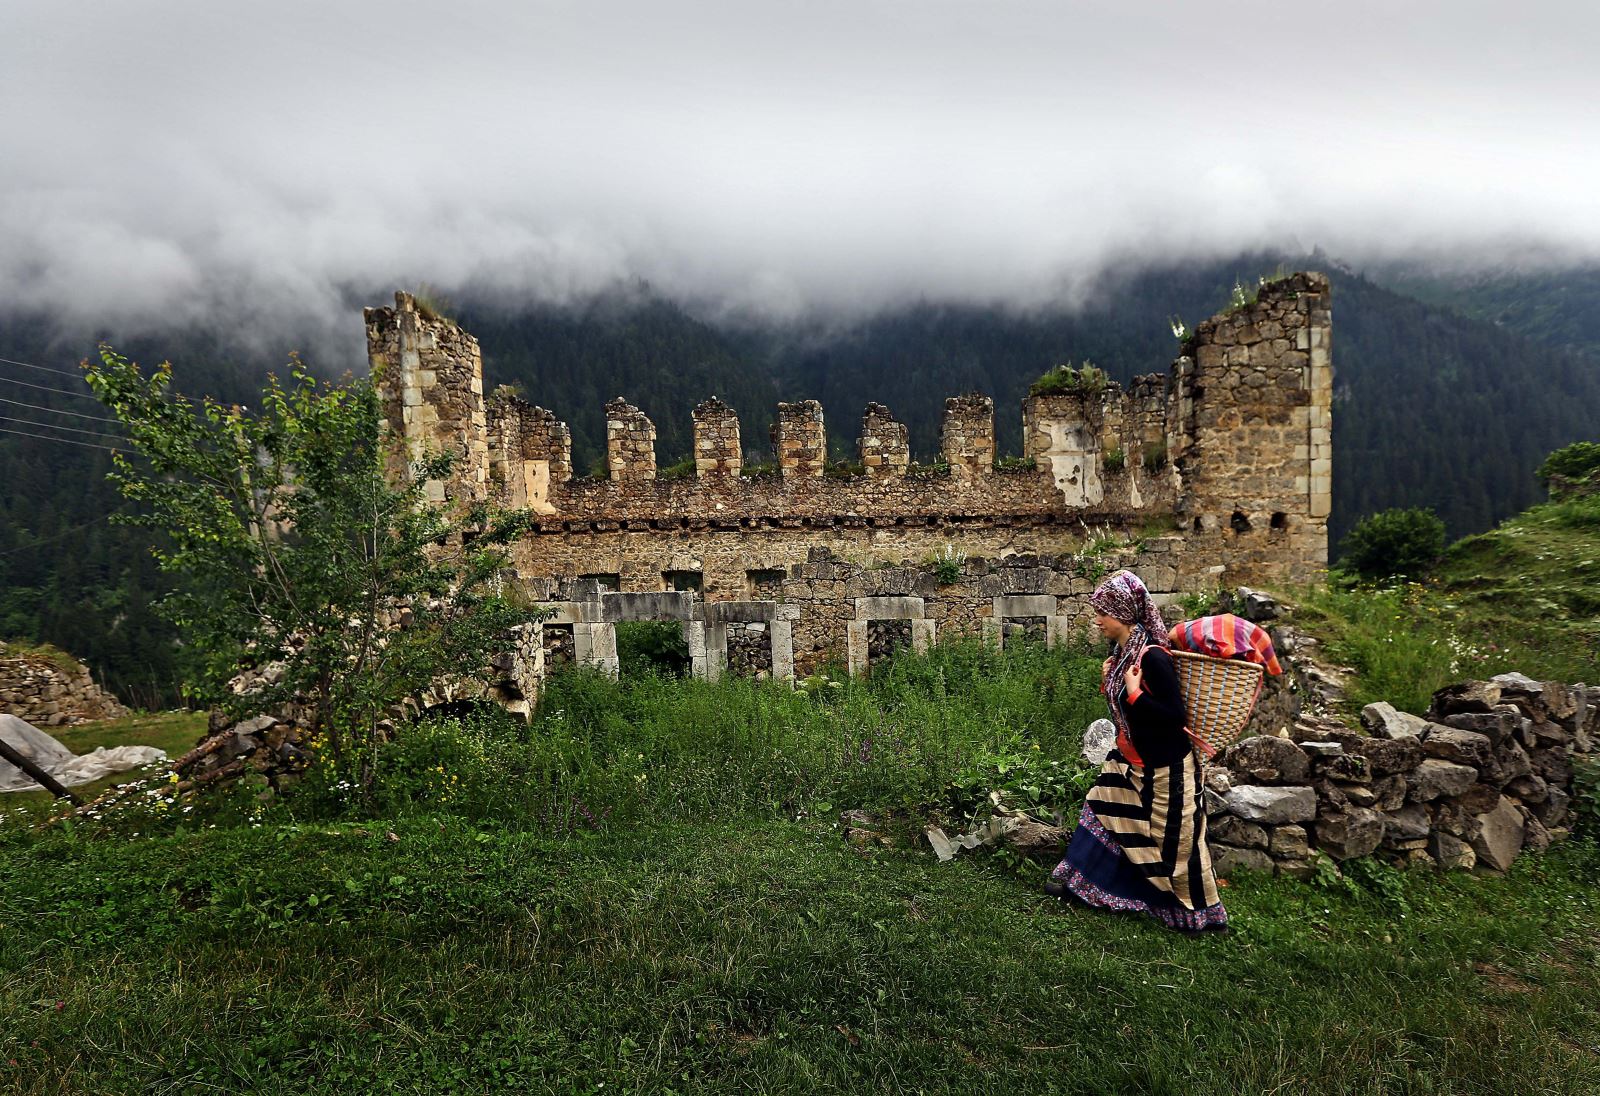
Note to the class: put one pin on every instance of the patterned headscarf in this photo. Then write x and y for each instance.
(1124, 596)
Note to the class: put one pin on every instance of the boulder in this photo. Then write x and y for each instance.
(1272, 805)
(1232, 830)
(1359, 794)
(1534, 835)
(1499, 836)
(1514, 683)
(1478, 798)
(1510, 762)
(1450, 852)
(1382, 720)
(1267, 760)
(1037, 841)
(1434, 778)
(1544, 734)
(1217, 779)
(1465, 696)
(1215, 804)
(1098, 739)
(1347, 834)
(1349, 768)
(1225, 860)
(1455, 744)
(1289, 843)
(1554, 765)
(1322, 751)
(1388, 756)
(1254, 606)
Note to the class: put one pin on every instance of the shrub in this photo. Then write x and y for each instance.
(1015, 464)
(1393, 544)
(1572, 470)
(1114, 460)
(683, 469)
(1088, 379)
(652, 645)
(947, 564)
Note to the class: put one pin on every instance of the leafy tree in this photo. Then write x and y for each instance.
(1572, 469)
(293, 551)
(1393, 544)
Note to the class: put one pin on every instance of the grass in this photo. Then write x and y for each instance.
(22, 648)
(757, 955)
(1524, 596)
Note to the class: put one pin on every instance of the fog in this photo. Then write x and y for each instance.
(273, 164)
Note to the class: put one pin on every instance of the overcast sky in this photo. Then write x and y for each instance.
(185, 158)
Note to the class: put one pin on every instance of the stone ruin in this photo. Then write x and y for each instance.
(51, 691)
(1218, 470)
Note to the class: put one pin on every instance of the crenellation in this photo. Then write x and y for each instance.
(630, 443)
(717, 452)
(884, 445)
(967, 435)
(800, 441)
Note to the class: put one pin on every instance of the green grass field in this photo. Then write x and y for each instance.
(174, 732)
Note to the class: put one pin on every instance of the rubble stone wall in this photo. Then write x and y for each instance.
(45, 692)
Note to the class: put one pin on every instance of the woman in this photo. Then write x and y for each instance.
(1140, 845)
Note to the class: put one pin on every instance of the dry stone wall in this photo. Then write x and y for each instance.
(1222, 460)
(52, 691)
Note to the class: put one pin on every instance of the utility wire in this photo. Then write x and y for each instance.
(56, 391)
(42, 368)
(65, 441)
(65, 533)
(58, 411)
(53, 426)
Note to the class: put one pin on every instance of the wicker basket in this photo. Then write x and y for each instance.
(1218, 695)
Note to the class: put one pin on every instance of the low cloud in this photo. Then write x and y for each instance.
(180, 162)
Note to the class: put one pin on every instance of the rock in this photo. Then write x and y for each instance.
(1451, 817)
(1322, 751)
(1264, 760)
(1552, 810)
(1530, 789)
(1098, 741)
(1272, 805)
(1465, 696)
(1349, 768)
(1554, 765)
(1316, 728)
(1217, 779)
(1514, 683)
(1388, 756)
(1037, 841)
(1451, 853)
(1510, 762)
(1215, 804)
(1225, 860)
(1498, 725)
(1478, 798)
(1499, 836)
(1564, 704)
(1359, 794)
(1454, 744)
(1391, 792)
(1350, 833)
(256, 725)
(1254, 606)
(1296, 869)
(1232, 830)
(1534, 835)
(1545, 734)
(1406, 824)
(1434, 778)
(1289, 842)
(1382, 720)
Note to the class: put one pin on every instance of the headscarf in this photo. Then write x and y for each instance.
(1124, 596)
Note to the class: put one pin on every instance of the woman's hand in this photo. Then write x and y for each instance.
(1133, 678)
(1105, 667)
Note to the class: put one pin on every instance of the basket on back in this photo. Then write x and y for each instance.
(1218, 695)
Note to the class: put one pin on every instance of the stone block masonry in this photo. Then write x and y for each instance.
(1220, 466)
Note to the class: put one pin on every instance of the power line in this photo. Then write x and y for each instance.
(65, 441)
(58, 411)
(56, 391)
(42, 368)
(53, 426)
(67, 532)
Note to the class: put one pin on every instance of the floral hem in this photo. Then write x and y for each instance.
(1078, 884)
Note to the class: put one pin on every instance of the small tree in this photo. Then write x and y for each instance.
(293, 549)
(1572, 470)
(1393, 544)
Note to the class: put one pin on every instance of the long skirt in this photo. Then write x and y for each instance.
(1140, 846)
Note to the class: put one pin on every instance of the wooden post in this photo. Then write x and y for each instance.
(42, 778)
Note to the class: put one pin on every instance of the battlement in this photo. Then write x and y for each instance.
(1229, 450)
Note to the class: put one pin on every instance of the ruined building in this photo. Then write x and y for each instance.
(1214, 473)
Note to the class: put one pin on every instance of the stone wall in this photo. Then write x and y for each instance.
(52, 691)
(1485, 775)
(1223, 459)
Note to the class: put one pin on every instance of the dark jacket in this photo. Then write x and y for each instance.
(1156, 718)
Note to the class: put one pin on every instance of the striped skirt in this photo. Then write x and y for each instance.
(1140, 846)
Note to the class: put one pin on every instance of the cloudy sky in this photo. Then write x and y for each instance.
(184, 157)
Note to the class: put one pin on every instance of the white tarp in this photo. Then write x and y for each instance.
(60, 762)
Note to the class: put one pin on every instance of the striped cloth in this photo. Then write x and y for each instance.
(1157, 819)
(1226, 636)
